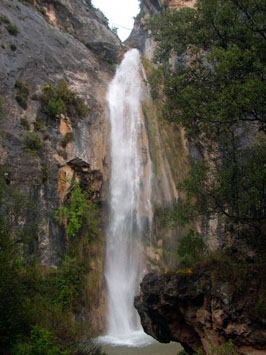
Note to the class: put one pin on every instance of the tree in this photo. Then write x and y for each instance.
(217, 91)
(224, 83)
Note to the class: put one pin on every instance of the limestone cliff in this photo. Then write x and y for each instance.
(43, 43)
(67, 41)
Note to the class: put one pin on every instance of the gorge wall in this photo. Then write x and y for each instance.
(215, 306)
(42, 150)
(58, 41)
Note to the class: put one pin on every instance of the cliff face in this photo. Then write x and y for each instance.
(222, 300)
(42, 149)
(140, 37)
(200, 310)
(62, 40)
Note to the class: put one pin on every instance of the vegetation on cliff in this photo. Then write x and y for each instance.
(40, 305)
(210, 72)
(216, 90)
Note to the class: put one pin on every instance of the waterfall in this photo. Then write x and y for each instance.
(130, 202)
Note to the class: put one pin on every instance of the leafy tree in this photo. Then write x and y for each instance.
(217, 91)
(224, 83)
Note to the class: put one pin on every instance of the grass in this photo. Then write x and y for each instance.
(12, 29)
(22, 94)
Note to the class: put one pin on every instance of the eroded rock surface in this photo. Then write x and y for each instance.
(198, 310)
(62, 40)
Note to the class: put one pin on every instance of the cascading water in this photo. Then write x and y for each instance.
(130, 206)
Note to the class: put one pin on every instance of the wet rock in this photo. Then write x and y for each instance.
(197, 311)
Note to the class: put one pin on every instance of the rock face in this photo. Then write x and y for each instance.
(140, 37)
(197, 310)
(65, 40)
(41, 44)
(86, 24)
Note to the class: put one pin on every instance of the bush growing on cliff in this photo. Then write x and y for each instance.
(37, 303)
(4, 19)
(33, 142)
(22, 94)
(191, 248)
(12, 29)
(68, 137)
(62, 100)
(2, 108)
(79, 212)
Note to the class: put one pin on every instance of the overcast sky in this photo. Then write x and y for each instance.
(120, 14)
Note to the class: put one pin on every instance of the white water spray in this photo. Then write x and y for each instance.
(130, 205)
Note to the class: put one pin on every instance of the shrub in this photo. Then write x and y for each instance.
(33, 142)
(80, 212)
(2, 107)
(62, 100)
(41, 341)
(13, 47)
(68, 137)
(39, 125)
(25, 123)
(191, 248)
(56, 107)
(4, 19)
(22, 94)
(12, 29)
(38, 304)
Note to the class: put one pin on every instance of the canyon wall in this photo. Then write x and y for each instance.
(41, 153)
(213, 307)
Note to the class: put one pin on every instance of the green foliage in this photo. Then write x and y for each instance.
(218, 96)
(227, 349)
(2, 108)
(14, 316)
(56, 107)
(22, 94)
(25, 123)
(62, 100)
(41, 341)
(224, 83)
(4, 19)
(37, 303)
(191, 248)
(12, 29)
(68, 137)
(80, 212)
(13, 47)
(69, 282)
(235, 188)
(33, 142)
(39, 125)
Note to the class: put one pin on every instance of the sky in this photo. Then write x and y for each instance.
(120, 14)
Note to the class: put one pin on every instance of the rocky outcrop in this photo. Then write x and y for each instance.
(87, 24)
(140, 37)
(200, 310)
